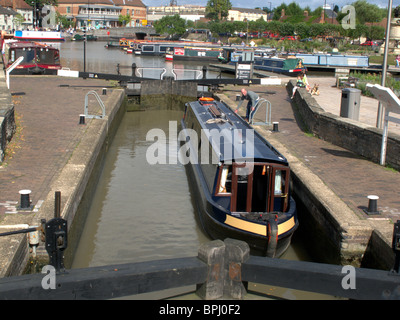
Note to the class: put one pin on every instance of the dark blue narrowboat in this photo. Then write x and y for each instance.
(239, 181)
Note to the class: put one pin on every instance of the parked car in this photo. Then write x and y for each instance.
(368, 43)
(253, 34)
(292, 38)
(306, 39)
(268, 34)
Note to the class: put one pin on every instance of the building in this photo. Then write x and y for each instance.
(196, 12)
(187, 12)
(7, 17)
(102, 13)
(244, 14)
(20, 17)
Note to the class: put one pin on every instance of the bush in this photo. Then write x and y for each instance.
(364, 78)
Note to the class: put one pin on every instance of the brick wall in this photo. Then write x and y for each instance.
(346, 133)
(7, 119)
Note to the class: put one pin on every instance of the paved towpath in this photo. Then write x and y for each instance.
(47, 110)
(348, 175)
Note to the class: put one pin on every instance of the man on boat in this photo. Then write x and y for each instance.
(253, 99)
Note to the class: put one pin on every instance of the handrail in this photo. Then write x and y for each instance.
(191, 70)
(86, 108)
(139, 69)
(267, 112)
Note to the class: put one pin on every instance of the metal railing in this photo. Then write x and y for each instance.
(86, 108)
(261, 102)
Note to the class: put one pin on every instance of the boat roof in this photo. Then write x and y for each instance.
(220, 120)
(27, 44)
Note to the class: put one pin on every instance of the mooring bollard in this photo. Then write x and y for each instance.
(81, 119)
(372, 205)
(224, 260)
(104, 91)
(212, 253)
(25, 201)
(236, 252)
(275, 126)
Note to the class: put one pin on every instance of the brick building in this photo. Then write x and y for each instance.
(102, 13)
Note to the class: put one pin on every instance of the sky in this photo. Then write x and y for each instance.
(313, 4)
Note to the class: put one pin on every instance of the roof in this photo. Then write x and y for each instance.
(256, 11)
(129, 3)
(8, 11)
(240, 141)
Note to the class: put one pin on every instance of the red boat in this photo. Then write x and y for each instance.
(38, 58)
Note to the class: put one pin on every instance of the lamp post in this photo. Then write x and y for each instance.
(379, 117)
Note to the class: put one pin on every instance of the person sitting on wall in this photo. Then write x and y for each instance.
(299, 84)
(253, 99)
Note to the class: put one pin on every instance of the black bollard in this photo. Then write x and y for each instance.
(25, 201)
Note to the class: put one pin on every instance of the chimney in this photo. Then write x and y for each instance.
(305, 13)
(282, 13)
(322, 16)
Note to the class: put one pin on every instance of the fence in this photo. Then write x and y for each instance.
(221, 270)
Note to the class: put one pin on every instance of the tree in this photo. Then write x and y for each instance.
(367, 12)
(216, 10)
(124, 20)
(173, 25)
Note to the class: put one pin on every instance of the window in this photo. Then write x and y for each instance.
(225, 181)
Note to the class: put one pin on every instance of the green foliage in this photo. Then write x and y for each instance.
(173, 25)
(124, 19)
(364, 78)
(217, 10)
(367, 12)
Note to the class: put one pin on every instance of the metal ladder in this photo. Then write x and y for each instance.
(86, 109)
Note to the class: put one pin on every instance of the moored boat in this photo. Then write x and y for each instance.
(38, 58)
(335, 60)
(197, 53)
(240, 185)
(38, 35)
(287, 66)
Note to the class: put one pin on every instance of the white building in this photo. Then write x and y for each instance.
(244, 14)
(195, 12)
(7, 22)
(20, 16)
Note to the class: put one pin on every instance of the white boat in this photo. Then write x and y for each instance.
(38, 35)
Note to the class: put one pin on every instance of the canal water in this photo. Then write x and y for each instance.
(142, 212)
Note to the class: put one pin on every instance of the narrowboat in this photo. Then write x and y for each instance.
(38, 35)
(197, 53)
(154, 49)
(334, 60)
(38, 58)
(239, 181)
(287, 66)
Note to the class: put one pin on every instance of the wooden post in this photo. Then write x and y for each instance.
(212, 253)
(236, 252)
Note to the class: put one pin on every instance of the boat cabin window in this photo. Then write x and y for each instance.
(27, 53)
(44, 55)
(261, 187)
(148, 48)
